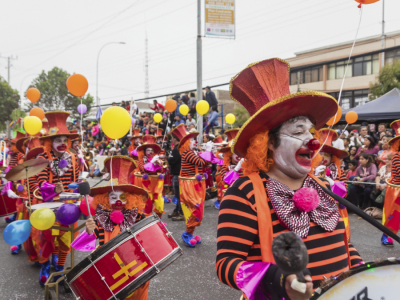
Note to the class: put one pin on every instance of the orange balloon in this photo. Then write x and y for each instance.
(351, 117)
(170, 105)
(37, 112)
(366, 1)
(335, 118)
(77, 85)
(33, 94)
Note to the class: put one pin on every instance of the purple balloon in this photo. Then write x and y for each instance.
(145, 176)
(206, 176)
(68, 213)
(20, 188)
(161, 176)
(199, 177)
(82, 108)
(62, 164)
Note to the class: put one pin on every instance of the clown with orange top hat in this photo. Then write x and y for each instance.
(278, 192)
(136, 140)
(191, 183)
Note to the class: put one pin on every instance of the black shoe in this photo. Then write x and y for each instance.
(179, 218)
(174, 214)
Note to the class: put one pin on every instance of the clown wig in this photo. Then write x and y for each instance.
(132, 201)
(228, 158)
(395, 147)
(185, 147)
(258, 157)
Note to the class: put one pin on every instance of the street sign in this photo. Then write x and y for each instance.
(220, 18)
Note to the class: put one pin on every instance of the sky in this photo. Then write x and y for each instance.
(69, 34)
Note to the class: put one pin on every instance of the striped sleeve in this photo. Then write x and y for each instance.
(342, 177)
(99, 232)
(237, 230)
(141, 166)
(13, 160)
(194, 159)
(355, 257)
(223, 170)
(396, 168)
(76, 175)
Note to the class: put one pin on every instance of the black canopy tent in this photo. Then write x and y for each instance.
(383, 109)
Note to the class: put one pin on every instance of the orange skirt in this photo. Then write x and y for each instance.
(391, 208)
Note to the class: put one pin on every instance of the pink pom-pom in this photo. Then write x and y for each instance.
(43, 279)
(306, 199)
(117, 217)
(193, 242)
(13, 248)
(328, 171)
(390, 240)
(145, 176)
(197, 238)
(6, 218)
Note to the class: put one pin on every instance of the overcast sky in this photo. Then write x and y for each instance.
(69, 34)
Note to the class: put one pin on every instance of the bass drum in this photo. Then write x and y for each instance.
(377, 280)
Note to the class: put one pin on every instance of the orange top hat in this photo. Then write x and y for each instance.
(35, 147)
(78, 138)
(20, 144)
(180, 133)
(218, 140)
(45, 126)
(149, 141)
(328, 136)
(159, 133)
(136, 134)
(122, 166)
(396, 128)
(231, 134)
(263, 89)
(19, 135)
(58, 124)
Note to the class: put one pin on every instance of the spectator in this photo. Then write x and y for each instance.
(190, 120)
(378, 195)
(357, 139)
(192, 104)
(360, 194)
(134, 109)
(381, 128)
(338, 143)
(178, 120)
(164, 123)
(369, 147)
(210, 97)
(175, 163)
(346, 142)
(389, 132)
(382, 155)
(212, 119)
(177, 112)
(113, 104)
(123, 104)
(185, 98)
(352, 169)
(352, 155)
(192, 128)
(158, 108)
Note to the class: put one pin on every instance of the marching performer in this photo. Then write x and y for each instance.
(118, 207)
(150, 175)
(330, 169)
(54, 179)
(231, 169)
(391, 207)
(269, 199)
(136, 139)
(191, 183)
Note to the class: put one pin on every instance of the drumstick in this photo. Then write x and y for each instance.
(362, 214)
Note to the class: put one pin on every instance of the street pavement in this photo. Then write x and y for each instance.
(192, 276)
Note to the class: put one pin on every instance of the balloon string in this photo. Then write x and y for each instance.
(81, 124)
(111, 182)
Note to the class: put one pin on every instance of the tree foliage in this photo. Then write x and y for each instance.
(9, 100)
(54, 93)
(241, 114)
(387, 80)
(17, 113)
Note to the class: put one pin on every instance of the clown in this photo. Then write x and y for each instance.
(191, 183)
(63, 169)
(150, 175)
(278, 146)
(118, 207)
(231, 169)
(136, 140)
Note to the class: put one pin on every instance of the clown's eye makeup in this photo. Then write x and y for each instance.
(122, 197)
(312, 130)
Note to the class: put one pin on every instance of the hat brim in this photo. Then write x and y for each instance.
(335, 151)
(318, 106)
(68, 135)
(155, 147)
(393, 140)
(32, 153)
(129, 188)
(188, 136)
(20, 143)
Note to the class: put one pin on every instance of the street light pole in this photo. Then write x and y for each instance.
(199, 72)
(383, 34)
(97, 70)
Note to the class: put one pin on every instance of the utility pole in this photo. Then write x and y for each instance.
(383, 34)
(199, 72)
(9, 65)
(146, 70)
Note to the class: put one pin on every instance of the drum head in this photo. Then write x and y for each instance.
(374, 280)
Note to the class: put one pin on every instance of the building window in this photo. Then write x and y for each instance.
(391, 56)
(336, 70)
(352, 99)
(365, 65)
(307, 75)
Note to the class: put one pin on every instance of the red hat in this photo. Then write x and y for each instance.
(149, 141)
(136, 134)
(396, 128)
(78, 138)
(328, 136)
(122, 166)
(231, 134)
(19, 135)
(218, 140)
(159, 133)
(263, 89)
(180, 133)
(35, 147)
(22, 141)
(58, 124)
(45, 126)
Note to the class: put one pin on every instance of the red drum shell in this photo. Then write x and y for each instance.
(7, 205)
(124, 266)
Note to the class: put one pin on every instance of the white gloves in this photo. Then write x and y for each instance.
(319, 169)
(221, 156)
(331, 181)
(155, 159)
(12, 195)
(209, 146)
(239, 165)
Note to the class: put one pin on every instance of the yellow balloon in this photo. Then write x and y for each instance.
(202, 107)
(32, 125)
(115, 122)
(43, 218)
(157, 118)
(230, 119)
(184, 109)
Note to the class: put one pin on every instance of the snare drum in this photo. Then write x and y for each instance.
(7, 205)
(122, 265)
(373, 280)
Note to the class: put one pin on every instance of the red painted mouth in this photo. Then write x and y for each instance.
(62, 148)
(118, 205)
(304, 157)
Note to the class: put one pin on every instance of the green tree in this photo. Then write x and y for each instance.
(54, 93)
(17, 113)
(9, 99)
(387, 80)
(241, 114)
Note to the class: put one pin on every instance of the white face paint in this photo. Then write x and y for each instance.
(117, 200)
(137, 141)
(60, 144)
(327, 158)
(149, 152)
(235, 159)
(75, 145)
(159, 140)
(292, 157)
(193, 143)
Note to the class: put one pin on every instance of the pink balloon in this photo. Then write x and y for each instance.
(83, 206)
